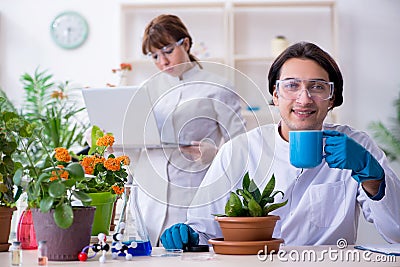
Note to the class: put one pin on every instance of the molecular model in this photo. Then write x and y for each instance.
(121, 247)
(101, 246)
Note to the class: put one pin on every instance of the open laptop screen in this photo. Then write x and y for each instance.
(107, 108)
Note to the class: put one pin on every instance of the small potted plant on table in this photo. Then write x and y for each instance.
(10, 177)
(108, 177)
(246, 225)
(52, 185)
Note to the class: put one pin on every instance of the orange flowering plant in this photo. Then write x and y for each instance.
(121, 72)
(108, 173)
(58, 186)
(52, 183)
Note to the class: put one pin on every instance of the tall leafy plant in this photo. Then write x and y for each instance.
(388, 136)
(5, 103)
(51, 105)
(52, 186)
(10, 175)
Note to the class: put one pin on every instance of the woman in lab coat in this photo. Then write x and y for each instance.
(193, 107)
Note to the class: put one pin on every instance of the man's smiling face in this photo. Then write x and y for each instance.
(303, 113)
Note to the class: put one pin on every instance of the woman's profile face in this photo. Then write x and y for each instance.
(167, 58)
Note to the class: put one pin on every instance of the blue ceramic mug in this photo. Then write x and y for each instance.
(305, 148)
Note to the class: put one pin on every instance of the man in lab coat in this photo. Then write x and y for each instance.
(324, 202)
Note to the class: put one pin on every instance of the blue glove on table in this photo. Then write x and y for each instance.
(344, 153)
(179, 236)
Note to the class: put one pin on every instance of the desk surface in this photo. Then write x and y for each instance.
(298, 256)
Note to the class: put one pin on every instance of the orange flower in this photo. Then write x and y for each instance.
(106, 140)
(58, 94)
(89, 163)
(121, 71)
(124, 159)
(126, 66)
(112, 164)
(63, 174)
(123, 67)
(118, 190)
(62, 154)
(99, 159)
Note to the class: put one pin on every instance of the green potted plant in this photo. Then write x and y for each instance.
(52, 186)
(108, 177)
(52, 107)
(51, 194)
(247, 225)
(10, 177)
(388, 136)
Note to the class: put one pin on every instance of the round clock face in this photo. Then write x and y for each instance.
(69, 30)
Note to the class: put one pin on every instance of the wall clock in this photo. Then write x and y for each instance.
(69, 30)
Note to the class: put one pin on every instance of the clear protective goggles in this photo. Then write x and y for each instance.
(316, 89)
(166, 51)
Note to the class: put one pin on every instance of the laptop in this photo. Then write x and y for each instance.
(126, 112)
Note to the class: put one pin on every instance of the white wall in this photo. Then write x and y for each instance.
(369, 37)
(25, 43)
(368, 46)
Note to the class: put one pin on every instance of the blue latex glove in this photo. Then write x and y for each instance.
(179, 236)
(344, 153)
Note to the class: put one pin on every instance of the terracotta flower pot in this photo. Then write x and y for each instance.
(247, 228)
(64, 244)
(245, 247)
(5, 222)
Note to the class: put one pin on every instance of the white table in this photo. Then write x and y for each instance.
(329, 255)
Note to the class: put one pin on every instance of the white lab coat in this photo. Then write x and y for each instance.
(324, 203)
(199, 106)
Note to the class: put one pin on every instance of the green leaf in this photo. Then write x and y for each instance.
(76, 171)
(387, 138)
(8, 164)
(69, 183)
(275, 206)
(27, 130)
(254, 191)
(278, 192)
(245, 194)
(233, 207)
(95, 134)
(46, 204)
(64, 216)
(82, 196)
(43, 177)
(9, 147)
(255, 209)
(57, 189)
(18, 177)
(266, 200)
(18, 193)
(31, 192)
(246, 181)
(269, 188)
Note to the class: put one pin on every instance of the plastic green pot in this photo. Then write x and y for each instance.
(104, 203)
